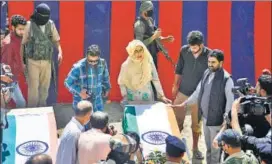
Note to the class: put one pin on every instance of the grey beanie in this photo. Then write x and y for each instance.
(145, 6)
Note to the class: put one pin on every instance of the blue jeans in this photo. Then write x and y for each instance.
(17, 96)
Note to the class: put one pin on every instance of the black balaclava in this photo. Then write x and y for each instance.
(147, 6)
(41, 14)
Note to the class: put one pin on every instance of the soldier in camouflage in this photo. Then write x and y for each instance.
(231, 144)
(145, 30)
(38, 43)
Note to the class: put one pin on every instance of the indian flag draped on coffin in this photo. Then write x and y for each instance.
(30, 131)
(153, 123)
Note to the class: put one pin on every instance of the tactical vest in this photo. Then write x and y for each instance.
(39, 46)
(149, 31)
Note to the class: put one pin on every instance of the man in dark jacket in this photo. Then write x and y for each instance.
(214, 96)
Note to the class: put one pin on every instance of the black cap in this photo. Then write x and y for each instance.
(230, 137)
(43, 9)
(41, 14)
(174, 146)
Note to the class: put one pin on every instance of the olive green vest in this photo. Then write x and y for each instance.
(39, 46)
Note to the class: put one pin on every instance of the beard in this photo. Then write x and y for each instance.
(16, 34)
(213, 69)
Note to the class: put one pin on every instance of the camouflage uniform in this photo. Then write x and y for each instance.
(241, 158)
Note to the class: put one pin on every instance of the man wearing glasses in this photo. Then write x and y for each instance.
(89, 79)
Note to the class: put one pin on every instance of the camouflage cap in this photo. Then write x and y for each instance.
(145, 6)
(122, 143)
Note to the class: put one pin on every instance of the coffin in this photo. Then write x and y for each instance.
(31, 131)
(153, 123)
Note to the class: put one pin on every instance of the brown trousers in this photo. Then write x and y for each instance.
(39, 77)
(181, 112)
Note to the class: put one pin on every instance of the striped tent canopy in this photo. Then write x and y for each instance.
(241, 29)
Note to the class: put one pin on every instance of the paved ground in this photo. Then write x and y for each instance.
(64, 112)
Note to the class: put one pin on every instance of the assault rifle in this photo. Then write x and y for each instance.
(164, 51)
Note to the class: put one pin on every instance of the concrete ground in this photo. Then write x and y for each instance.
(64, 112)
